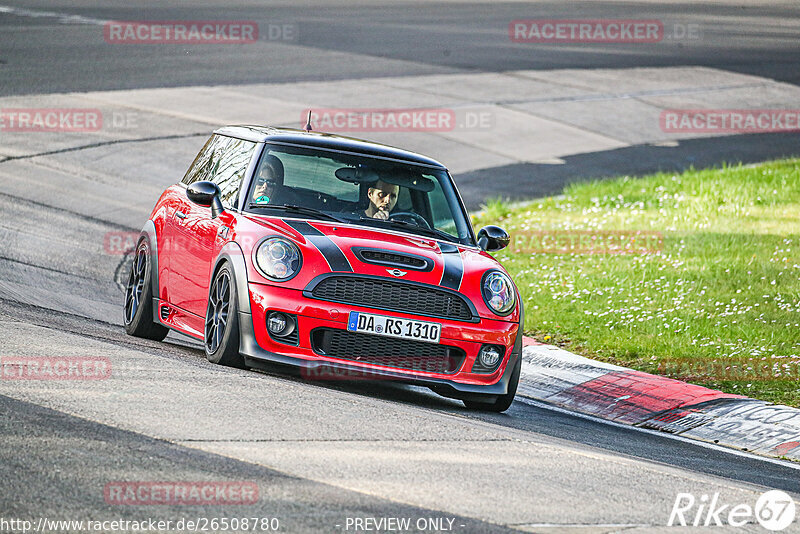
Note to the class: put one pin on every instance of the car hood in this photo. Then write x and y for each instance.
(345, 248)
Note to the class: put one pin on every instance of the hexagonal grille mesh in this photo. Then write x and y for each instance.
(394, 296)
(391, 352)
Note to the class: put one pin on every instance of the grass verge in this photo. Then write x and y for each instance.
(695, 275)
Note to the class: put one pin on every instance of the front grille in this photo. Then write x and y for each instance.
(393, 296)
(393, 259)
(387, 351)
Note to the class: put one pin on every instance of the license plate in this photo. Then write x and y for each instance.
(394, 327)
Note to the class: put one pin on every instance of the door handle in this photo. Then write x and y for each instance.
(180, 215)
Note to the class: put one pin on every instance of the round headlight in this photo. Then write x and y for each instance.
(498, 293)
(278, 258)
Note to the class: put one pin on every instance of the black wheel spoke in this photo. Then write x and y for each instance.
(128, 307)
(135, 286)
(217, 313)
(218, 336)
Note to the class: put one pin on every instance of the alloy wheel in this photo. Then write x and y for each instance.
(217, 314)
(135, 287)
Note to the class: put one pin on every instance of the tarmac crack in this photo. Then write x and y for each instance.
(364, 440)
(21, 312)
(81, 216)
(103, 143)
(50, 269)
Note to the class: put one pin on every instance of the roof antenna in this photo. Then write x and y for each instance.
(307, 127)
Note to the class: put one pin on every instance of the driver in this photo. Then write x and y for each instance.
(382, 198)
(269, 180)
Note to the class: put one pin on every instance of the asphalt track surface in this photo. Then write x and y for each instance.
(319, 453)
(345, 40)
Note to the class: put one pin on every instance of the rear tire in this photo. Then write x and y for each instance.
(138, 308)
(503, 402)
(222, 321)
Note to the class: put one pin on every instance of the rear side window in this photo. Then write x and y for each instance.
(223, 160)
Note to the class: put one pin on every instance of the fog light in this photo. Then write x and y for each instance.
(489, 356)
(276, 322)
(282, 327)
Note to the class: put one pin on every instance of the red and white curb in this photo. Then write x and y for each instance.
(556, 376)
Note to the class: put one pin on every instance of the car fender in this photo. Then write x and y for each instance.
(233, 254)
(501, 387)
(149, 231)
(518, 343)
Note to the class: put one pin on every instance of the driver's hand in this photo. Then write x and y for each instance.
(382, 214)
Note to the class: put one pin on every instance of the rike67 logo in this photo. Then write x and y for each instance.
(774, 510)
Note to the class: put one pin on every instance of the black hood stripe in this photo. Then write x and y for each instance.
(332, 254)
(453, 266)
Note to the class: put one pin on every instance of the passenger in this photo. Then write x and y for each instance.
(382, 198)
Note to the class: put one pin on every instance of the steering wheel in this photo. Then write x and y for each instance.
(410, 216)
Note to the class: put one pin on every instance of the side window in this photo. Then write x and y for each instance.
(404, 201)
(202, 163)
(228, 167)
(316, 174)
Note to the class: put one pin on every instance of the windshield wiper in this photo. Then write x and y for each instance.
(411, 226)
(298, 209)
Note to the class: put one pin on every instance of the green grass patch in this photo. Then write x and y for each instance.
(720, 294)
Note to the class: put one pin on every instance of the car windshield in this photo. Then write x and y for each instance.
(358, 189)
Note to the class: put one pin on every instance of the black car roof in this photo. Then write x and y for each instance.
(267, 134)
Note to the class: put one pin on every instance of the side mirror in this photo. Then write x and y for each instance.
(491, 238)
(205, 193)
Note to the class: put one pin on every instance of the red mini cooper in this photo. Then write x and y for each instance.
(345, 258)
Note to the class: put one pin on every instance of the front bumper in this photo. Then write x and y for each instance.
(258, 347)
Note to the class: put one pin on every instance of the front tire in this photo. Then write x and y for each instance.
(503, 402)
(138, 310)
(222, 321)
